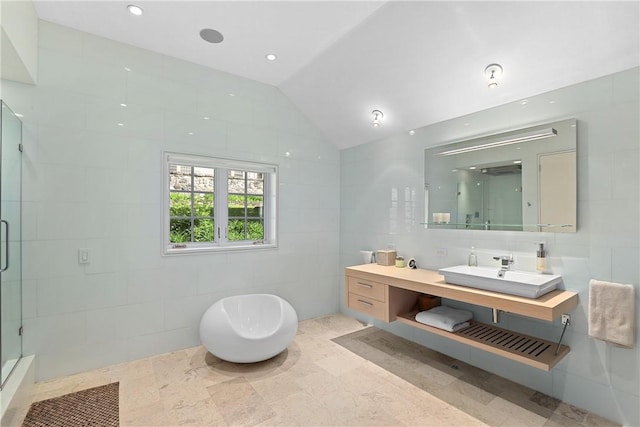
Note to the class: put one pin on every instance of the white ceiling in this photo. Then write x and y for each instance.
(419, 62)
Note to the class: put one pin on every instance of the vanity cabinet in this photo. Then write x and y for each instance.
(378, 299)
(388, 293)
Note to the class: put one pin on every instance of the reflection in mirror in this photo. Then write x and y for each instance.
(522, 180)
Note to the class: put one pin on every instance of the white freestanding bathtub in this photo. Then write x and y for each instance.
(248, 328)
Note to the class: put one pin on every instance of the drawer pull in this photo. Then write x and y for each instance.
(366, 285)
(365, 302)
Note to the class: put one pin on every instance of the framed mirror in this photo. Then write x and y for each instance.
(520, 180)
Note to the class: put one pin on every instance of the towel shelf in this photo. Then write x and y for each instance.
(522, 348)
(395, 293)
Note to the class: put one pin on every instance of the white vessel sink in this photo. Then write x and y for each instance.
(520, 283)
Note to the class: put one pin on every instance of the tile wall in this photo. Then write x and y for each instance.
(91, 183)
(382, 202)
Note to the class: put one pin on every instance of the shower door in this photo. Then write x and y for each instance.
(10, 241)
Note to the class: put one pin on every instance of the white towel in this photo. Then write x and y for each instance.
(447, 318)
(612, 312)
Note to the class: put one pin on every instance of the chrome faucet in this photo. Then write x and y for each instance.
(505, 263)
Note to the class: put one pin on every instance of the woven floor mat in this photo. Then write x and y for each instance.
(96, 406)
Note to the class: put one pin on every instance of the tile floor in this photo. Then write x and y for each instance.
(321, 380)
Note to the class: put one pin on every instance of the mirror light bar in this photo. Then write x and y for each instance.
(514, 139)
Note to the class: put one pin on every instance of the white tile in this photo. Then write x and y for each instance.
(142, 319)
(104, 290)
(109, 52)
(54, 106)
(185, 312)
(143, 220)
(144, 286)
(625, 369)
(59, 38)
(61, 220)
(105, 325)
(57, 332)
(57, 183)
(59, 295)
(626, 175)
(50, 258)
(105, 256)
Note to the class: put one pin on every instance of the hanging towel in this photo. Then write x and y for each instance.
(447, 318)
(612, 312)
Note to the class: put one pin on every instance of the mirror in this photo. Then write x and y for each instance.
(521, 180)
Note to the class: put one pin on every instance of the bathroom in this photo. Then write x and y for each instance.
(89, 183)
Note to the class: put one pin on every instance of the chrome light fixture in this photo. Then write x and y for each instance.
(377, 116)
(513, 139)
(493, 72)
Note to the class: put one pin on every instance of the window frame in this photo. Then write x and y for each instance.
(221, 167)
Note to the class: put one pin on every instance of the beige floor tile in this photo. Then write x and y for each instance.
(139, 392)
(239, 403)
(276, 387)
(515, 415)
(197, 413)
(340, 364)
(148, 415)
(337, 372)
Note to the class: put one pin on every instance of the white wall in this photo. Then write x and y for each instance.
(594, 376)
(19, 36)
(89, 183)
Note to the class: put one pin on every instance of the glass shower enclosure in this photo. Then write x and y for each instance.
(10, 241)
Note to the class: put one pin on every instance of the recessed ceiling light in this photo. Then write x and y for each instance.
(127, 69)
(412, 132)
(524, 102)
(120, 124)
(205, 118)
(232, 94)
(190, 133)
(472, 167)
(211, 36)
(135, 10)
(123, 104)
(271, 56)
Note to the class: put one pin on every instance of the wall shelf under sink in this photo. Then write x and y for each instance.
(516, 346)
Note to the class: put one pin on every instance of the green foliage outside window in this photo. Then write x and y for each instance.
(204, 225)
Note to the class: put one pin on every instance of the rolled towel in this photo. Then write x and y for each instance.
(612, 312)
(447, 318)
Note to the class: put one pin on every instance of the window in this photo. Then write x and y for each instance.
(218, 204)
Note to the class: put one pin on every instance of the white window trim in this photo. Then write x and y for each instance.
(221, 244)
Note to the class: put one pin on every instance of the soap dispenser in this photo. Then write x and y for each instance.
(473, 259)
(541, 258)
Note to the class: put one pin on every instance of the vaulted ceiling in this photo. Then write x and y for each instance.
(420, 62)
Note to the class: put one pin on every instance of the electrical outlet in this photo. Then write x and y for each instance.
(566, 319)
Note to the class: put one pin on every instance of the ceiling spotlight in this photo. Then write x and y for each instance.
(135, 10)
(493, 72)
(271, 56)
(377, 116)
(412, 132)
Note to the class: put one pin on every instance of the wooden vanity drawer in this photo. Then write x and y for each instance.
(367, 305)
(367, 288)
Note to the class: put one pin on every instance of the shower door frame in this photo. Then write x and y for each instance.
(10, 244)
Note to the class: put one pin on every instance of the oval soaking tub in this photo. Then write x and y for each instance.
(248, 328)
